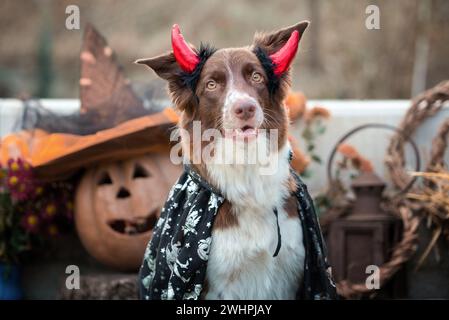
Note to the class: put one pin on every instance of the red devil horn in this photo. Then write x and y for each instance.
(184, 55)
(284, 56)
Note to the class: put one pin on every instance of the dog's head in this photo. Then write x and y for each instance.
(238, 91)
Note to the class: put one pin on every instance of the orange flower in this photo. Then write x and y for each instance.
(366, 165)
(295, 104)
(358, 161)
(317, 112)
(347, 150)
(300, 161)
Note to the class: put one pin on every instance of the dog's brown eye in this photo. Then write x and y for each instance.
(257, 77)
(211, 85)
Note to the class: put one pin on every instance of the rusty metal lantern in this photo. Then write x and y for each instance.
(364, 233)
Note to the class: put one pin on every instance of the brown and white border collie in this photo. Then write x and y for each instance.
(240, 92)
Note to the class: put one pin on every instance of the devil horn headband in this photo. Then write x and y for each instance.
(188, 59)
(184, 55)
(282, 58)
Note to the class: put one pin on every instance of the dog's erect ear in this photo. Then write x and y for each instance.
(183, 57)
(168, 68)
(273, 41)
(164, 65)
(181, 68)
(281, 45)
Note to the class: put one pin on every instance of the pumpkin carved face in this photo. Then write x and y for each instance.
(117, 206)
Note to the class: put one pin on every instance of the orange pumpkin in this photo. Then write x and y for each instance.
(117, 205)
(129, 172)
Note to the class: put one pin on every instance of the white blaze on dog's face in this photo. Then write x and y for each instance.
(238, 91)
(235, 82)
(234, 100)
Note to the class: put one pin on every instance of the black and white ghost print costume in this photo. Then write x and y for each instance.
(175, 261)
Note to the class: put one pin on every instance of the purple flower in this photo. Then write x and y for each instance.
(31, 222)
(69, 209)
(2, 178)
(49, 210)
(52, 230)
(20, 180)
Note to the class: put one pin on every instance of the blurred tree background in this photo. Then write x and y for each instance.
(338, 57)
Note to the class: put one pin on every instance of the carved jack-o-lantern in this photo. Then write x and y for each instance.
(117, 205)
(123, 144)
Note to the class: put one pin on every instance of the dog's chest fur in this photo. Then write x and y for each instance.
(241, 263)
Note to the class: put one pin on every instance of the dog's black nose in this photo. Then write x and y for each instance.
(123, 193)
(245, 110)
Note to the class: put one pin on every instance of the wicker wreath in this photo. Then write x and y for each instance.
(439, 146)
(429, 200)
(423, 106)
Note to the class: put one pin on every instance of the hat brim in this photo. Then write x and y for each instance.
(57, 156)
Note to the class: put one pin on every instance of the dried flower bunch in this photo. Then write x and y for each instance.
(30, 210)
(433, 197)
(351, 157)
(350, 165)
(313, 127)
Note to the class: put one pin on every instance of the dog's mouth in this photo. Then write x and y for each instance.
(134, 226)
(246, 132)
